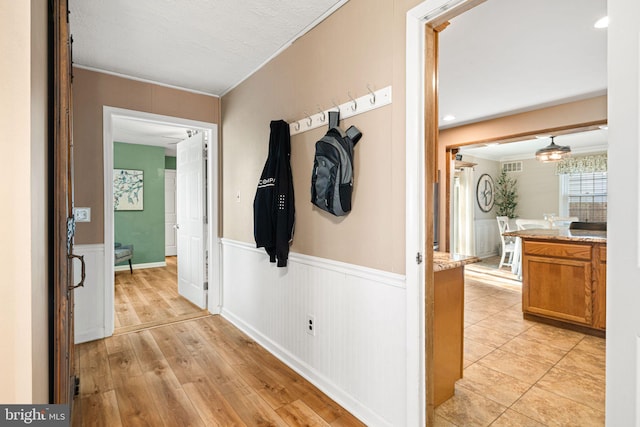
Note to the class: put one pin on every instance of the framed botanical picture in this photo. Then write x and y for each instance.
(128, 190)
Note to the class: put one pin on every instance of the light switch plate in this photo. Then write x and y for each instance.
(82, 214)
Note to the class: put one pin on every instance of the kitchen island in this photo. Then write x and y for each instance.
(448, 322)
(564, 278)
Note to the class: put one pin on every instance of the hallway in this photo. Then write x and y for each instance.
(149, 297)
(202, 372)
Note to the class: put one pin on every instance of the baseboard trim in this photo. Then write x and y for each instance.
(360, 411)
(140, 266)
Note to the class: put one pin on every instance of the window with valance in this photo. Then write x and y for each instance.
(584, 187)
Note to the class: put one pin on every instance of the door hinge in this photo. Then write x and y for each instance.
(205, 219)
(418, 258)
(206, 286)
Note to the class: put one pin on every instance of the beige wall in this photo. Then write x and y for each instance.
(361, 43)
(538, 189)
(23, 260)
(558, 118)
(92, 91)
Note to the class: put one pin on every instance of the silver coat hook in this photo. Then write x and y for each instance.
(354, 107)
(310, 122)
(324, 116)
(373, 95)
(334, 104)
(297, 125)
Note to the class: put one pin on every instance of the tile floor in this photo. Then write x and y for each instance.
(522, 373)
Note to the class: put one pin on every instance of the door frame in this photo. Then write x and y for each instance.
(210, 130)
(170, 171)
(62, 345)
(421, 121)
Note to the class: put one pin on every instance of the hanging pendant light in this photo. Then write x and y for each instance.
(553, 152)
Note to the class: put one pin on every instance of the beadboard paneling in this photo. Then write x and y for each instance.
(89, 321)
(487, 237)
(357, 355)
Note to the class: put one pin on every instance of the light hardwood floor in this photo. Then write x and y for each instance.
(201, 372)
(149, 297)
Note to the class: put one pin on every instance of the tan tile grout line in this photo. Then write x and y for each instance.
(532, 385)
(554, 365)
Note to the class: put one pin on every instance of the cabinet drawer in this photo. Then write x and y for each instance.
(561, 250)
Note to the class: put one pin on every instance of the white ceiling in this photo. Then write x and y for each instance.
(581, 142)
(135, 131)
(501, 57)
(506, 56)
(207, 46)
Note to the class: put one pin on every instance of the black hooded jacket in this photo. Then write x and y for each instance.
(273, 205)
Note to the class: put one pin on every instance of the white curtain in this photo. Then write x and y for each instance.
(463, 205)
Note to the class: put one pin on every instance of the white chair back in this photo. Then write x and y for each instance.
(562, 221)
(528, 224)
(508, 247)
(503, 224)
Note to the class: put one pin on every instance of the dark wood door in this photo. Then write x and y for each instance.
(64, 378)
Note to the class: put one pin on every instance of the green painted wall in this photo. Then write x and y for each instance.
(144, 229)
(170, 162)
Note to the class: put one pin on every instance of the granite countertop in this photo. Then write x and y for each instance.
(589, 236)
(445, 260)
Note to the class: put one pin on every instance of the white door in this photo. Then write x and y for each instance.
(190, 225)
(170, 213)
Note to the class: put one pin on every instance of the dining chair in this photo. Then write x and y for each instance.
(508, 247)
(562, 221)
(529, 224)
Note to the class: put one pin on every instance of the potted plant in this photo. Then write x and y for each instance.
(506, 195)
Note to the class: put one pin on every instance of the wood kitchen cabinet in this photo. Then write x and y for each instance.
(448, 331)
(448, 322)
(564, 281)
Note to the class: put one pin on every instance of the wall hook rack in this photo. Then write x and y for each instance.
(373, 95)
(353, 107)
(323, 115)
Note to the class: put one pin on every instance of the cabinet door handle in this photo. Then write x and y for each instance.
(83, 274)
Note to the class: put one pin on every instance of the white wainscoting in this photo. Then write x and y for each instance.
(358, 353)
(89, 305)
(487, 237)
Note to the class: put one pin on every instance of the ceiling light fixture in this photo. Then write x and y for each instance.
(448, 118)
(553, 152)
(602, 22)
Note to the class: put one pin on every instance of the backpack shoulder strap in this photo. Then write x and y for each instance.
(334, 119)
(354, 134)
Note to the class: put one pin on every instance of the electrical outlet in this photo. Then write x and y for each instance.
(311, 325)
(82, 214)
